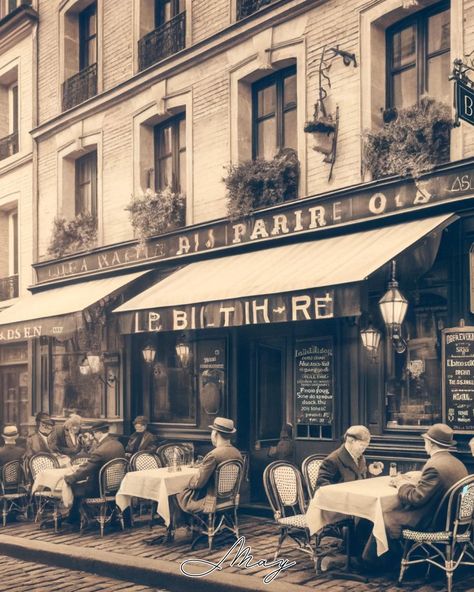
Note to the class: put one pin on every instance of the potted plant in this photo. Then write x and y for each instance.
(155, 212)
(261, 183)
(71, 236)
(411, 141)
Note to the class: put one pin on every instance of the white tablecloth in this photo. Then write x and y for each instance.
(367, 498)
(156, 485)
(53, 479)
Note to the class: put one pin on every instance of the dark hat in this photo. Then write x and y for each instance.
(440, 434)
(140, 419)
(42, 417)
(99, 426)
(224, 425)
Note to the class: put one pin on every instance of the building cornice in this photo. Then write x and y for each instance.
(274, 14)
(16, 163)
(16, 25)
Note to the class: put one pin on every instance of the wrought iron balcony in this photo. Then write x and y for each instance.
(9, 287)
(163, 41)
(80, 87)
(8, 145)
(248, 7)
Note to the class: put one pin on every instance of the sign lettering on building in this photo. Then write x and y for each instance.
(464, 101)
(299, 217)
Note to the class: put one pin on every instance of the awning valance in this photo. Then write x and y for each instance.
(303, 281)
(57, 311)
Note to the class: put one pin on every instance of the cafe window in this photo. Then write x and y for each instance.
(170, 154)
(418, 55)
(274, 114)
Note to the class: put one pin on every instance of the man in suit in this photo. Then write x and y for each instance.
(85, 480)
(10, 451)
(193, 498)
(141, 439)
(347, 463)
(44, 438)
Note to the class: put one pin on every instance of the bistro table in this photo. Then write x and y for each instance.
(53, 480)
(156, 485)
(366, 498)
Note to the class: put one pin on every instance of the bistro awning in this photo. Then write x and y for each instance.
(57, 311)
(301, 281)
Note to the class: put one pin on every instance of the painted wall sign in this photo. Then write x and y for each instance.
(310, 305)
(458, 378)
(298, 217)
(464, 101)
(60, 327)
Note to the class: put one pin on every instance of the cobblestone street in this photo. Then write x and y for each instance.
(25, 576)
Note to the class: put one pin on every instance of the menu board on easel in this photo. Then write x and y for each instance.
(458, 378)
(314, 381)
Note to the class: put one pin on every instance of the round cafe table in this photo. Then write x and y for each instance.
(53, 480)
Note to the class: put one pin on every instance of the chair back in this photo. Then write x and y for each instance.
(457, 507)
(284, 488)
(12, 474)
(310, 468)
(41, 461)
(142, 461)
(170, 453)
(111, 475)
(227, 480)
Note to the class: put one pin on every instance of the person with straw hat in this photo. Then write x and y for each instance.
(10, 451)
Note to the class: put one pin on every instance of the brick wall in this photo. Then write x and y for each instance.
(48, 60)
(117, 43)
(209, 17)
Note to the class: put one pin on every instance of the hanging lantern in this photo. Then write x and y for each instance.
(370, 340)
(94, 362)
(183, 352)
(149, 353)
(84, 367)
(393, 306)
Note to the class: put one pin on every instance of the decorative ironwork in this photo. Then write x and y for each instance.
(248, 7)
(8, 145)
(163, 41)
(9, 287)
(80, 87)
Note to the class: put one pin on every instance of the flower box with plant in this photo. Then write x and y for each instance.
(155, 212)
(412, 141)
(261, 183)
(71, 236)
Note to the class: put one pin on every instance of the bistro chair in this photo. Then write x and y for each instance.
(170, 454)
(450, 547)
(220, 506)
(104, 507)
(14, 494)
(144, 461)
(284, 488)
(310, 469)
(45, 499)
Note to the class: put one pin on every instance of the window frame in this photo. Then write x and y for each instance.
(160, 12)
(420, 20)
(176, 151)
(85, 37)
(277, 79)
(89, 158)
(13, 108)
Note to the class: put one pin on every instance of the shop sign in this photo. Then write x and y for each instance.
(299, 217)
(308, 306)
(464, 101)
(55, 327)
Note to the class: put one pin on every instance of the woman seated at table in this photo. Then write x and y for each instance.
(68, 441)
(141, 440)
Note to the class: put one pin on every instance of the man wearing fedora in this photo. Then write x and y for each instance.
(193, 498)
(10, 451)
(85, 480)
(44, 438)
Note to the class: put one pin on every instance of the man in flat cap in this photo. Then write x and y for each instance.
(85, 480)
(141, 439)
(193, 498)
(10, 451)
(347, 463)
(44, 438)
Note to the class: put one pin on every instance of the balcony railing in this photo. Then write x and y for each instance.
(248, 7)
(163, 41)
(80, 87)
(8, 145)
(9, 287)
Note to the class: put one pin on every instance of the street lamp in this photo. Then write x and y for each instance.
(149, 353)
(393, 307)
(91, 366)
(370, 340)
(183, 351)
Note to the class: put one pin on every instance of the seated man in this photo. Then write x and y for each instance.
(347, 463)
(192, 499)
(44, 438)
(85, 480)
(10, 451)
(141, 439)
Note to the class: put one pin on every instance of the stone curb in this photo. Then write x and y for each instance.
(148, 572)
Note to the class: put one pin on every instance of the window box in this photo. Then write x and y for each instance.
(78, 234)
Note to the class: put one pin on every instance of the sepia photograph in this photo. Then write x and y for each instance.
(237, 295)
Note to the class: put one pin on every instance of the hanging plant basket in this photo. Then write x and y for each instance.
(322, 125)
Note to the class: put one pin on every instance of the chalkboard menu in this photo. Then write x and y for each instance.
(458, 378)
(314, 381)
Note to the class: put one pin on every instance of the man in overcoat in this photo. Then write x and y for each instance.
(44, 438)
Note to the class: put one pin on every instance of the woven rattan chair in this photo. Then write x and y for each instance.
(451, 546)
(104, 507)
(143, 461)
(310, 469)
(14, 494)
(284, 488)
(45, 500)
(172, 454)
(220, 508)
